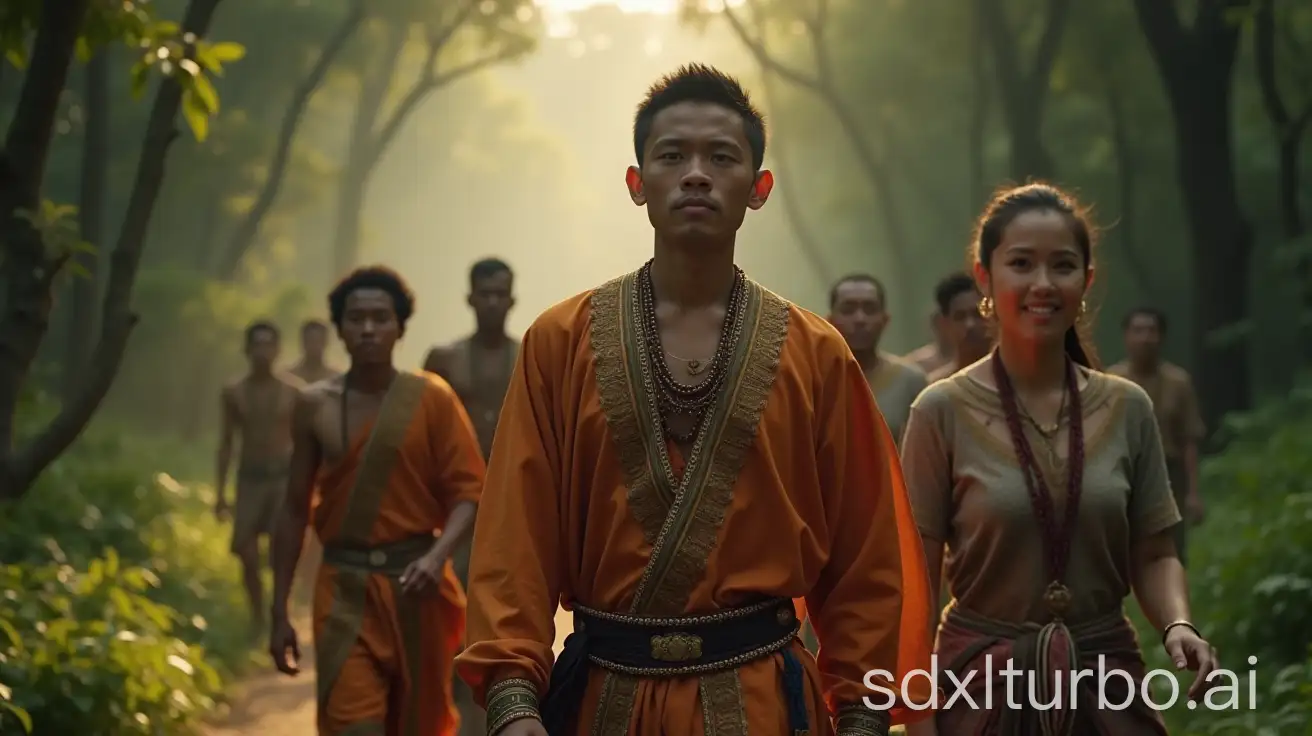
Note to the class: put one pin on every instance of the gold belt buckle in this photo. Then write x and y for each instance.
(677, 647)
(378, 558)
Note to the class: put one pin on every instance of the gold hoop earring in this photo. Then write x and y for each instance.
(986, 307)
(1084, 307)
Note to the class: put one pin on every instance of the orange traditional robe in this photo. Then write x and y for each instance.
(385, 658)
(795, 492)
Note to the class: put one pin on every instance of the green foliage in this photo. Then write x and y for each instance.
(58, 226)
(121, 605)
(1250, 571)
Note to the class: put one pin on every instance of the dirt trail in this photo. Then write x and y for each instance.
(272, 704)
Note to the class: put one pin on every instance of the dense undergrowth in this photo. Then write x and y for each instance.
(1250, 577)
(121, 610)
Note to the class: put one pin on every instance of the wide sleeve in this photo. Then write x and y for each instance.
(871, 602)
(515, 564)
(1152, 507)
(459, 471)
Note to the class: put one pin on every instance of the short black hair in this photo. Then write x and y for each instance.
(373, 277)
(700, 83)
(262, 325)
(310, 325)
(950, 288)
(858, 278)
(1157, 315)
(488, 267)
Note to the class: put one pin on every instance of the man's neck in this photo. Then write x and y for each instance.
(1145, 366)
(489, 337)
(868, 358)
(692, 277)
(370, 378)
(261, 373)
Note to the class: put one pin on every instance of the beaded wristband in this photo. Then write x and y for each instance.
(510, 700)
(858, 720)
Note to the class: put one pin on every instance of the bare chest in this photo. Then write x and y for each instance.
(340, 418)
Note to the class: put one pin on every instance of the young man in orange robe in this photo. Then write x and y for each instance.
(399, 474)
(681, 453)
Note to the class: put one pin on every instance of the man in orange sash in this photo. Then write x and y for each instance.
(399, 473)
(681, 453)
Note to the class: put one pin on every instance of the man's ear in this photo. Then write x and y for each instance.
(633, 181)
(761, 189)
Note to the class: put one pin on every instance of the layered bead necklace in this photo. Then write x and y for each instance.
(673, 397)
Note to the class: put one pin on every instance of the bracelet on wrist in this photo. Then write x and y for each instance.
(1181, 622)
(858, 720)
(511, 700)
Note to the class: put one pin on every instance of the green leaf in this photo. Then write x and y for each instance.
(140, 78)
(24, 720)
(227, 51)
(205, 92)
(196, 115)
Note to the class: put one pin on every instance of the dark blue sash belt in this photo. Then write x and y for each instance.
(673, 647)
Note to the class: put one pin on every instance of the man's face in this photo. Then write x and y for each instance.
(314, 341)
(262, 348)
(697, 179)
(370, 328)
(491, 299)
(1143, 338)
(966, 329)
(859, 314)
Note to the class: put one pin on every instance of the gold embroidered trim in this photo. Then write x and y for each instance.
(693, 524)
(858, 720)
(723, 713)
(618, 402)
(690, 518)
(510, 700)
(615, 711)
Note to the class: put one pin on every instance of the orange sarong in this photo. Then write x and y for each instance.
(384, 659)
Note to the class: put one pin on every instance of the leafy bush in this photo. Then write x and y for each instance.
(122, 605)
(1250, 571)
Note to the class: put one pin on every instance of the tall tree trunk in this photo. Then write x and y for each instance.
(91, 220)
(1124, 154)
(1197, 66)
(28, 275)
(27, 311)
(370, 140)
(1024, 86)
(1289, 127)
(855, 129)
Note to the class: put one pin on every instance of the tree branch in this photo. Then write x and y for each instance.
(431, 81)
(1045, 55)
(244, 236)
(1168, 40)
(27, 143)
(119, 319)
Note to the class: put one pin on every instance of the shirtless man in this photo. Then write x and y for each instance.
(935, 354)
(1175, 404)
(964, 327)
(314, 342)
(258, 408)
(859, 309)
(478, 367)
